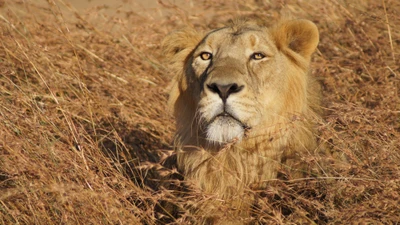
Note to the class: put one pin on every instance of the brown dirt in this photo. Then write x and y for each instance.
(83, 119)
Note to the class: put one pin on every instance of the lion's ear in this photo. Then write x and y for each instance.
(300, 36)
(178, 44)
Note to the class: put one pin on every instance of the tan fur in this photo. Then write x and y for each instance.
(273, 108)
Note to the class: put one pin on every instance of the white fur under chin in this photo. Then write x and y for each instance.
(224, 130)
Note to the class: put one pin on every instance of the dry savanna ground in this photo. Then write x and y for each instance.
(84, 124)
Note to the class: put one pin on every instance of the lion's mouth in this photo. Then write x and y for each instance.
(225, 116)
(226, 128)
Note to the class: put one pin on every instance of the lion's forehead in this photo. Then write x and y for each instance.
(235, 44)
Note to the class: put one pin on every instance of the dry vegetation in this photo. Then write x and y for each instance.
(83, 119)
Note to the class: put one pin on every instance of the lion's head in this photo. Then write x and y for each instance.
(243, 77)
(244, 105)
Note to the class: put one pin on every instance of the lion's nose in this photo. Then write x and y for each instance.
(224, 90)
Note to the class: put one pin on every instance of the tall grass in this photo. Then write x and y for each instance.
(84, 125)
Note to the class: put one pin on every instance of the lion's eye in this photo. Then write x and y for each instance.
(205, 55)
(257, 56)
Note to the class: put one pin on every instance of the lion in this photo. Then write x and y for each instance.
(245, 106)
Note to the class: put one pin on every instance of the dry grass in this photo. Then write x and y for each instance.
(83, 122)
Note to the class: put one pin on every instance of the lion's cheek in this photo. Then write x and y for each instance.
(199, 67)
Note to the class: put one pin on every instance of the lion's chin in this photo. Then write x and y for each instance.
(224, 129)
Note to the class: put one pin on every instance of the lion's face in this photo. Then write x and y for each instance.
(245, 77)
(239, 75)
